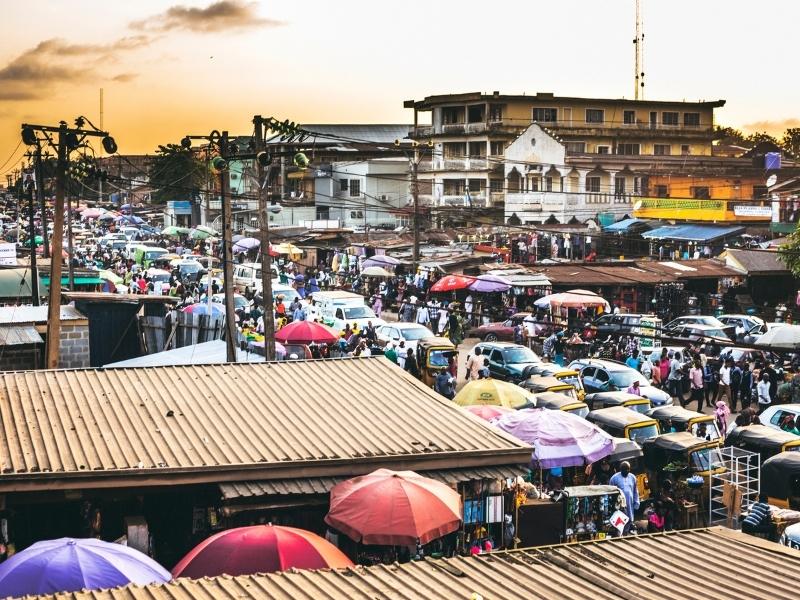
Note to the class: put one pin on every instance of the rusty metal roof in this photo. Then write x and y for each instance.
(649, 567)
(323, 485)
(233, 422)
(19, 335)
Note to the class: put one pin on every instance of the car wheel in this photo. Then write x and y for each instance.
(490, 337)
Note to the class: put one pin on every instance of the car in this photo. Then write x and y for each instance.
(747, 323)
(773, 415)
(509, 362)
(410, 333)
(654, 354)
(612, 376)
(748, 355)
(239, 301)
(698, 333)
(501, 330)
(703, 321)
(619, 324)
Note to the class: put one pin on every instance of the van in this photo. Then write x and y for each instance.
(145, 255)
(337, 309)
(247, 276)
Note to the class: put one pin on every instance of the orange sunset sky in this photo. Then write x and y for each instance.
(170, 68)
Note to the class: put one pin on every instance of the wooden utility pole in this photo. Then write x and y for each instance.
(264, 176)
(32, 234)
(415, 196)
(54, 300)
(231, 332)
(37, 165)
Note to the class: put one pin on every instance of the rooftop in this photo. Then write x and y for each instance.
(36, 314)
(232, 422)
(647, 567)
(755, 262)
(351, 134)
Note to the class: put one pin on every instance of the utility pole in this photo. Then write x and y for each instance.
(263, 161)
(638, 44)
(415, 196)
(231, 333)
(39, 172)
(32, 234)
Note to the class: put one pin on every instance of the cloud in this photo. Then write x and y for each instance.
(125, 77)
(222, 15)
(38, 70)
(775, 128)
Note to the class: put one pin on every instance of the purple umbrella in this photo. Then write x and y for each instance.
(245, 245)
(489, 283)
(70, 565)
(559, 439)
(381, 260)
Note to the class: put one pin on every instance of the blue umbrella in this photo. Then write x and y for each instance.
(70, 565)
(201, 308)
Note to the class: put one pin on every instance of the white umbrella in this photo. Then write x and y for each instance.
(786, 337)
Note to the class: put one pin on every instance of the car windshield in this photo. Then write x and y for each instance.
(623, 379)
(520, 355)
(151, 254)
(641, 408)
(190, 267)
(573, 380)
(706, 459)
(360, 312)
(645, 432)
(706, 430)
(581, 412)
(416, 333)
(438, 358)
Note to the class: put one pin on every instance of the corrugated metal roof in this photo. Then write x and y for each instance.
(755, 261)
(692, 233)
(383, 134)
(667, 566)
(223, 422)
(36, 314)
(626, 224)
(323, 485)
(18, 335)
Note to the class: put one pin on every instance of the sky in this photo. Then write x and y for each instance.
(176, 67)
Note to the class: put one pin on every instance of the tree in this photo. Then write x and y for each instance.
(176, 174)
(791, 141)
(729, 136)
(790, 253)
(759, 137)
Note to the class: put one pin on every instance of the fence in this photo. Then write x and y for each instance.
(179, 329)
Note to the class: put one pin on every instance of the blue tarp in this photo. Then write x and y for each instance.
(625, 225)
(692, 233)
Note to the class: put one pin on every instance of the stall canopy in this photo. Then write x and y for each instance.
(628, 226)
(572, 299)
(692, 233)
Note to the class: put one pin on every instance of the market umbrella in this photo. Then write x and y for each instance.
(175, 231)
(280, 349)
(237, 237)
(110, 276)
(287, 248)
(494, 393)
(201, 308)
(396, 508)
(381, 260)
(559, 438)
(71, 565)
(109, 216)
(306, 332)
(201, 232)
(785, 337)
(572, 299)
(487, 412)
(125, 207)
(376, 272)
(449, 283)
(92, 213)
(489, 283)
(259, 549)
(245, 245)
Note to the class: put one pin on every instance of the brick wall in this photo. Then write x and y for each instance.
(19, 358)
(74, 346)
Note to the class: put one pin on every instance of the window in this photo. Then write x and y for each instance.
(627, 148)
(629, 117)
(661, 149)
(343, 185)
(356, 214)
(477, 149)
(548, 184)
(355, 188)
(701, 192)
(619, 186)
(495, 112)
(595, 115)
(685, 150)
(604, 149)
(669, 118)
(454, 149)
(545, 115)
(576, 147)
(475, 113)
(533, 184)
(691, 119)
(495, 185)
(497, 357)
(452, 115)
(593, 184)
(497, 148)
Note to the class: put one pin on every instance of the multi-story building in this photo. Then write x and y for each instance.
(470, 134)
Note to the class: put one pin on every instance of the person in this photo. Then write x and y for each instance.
(634, 388)
(656, 374)
(445, 384)
(454, 325)
(696, 384)
(633, 361)
(721, 414)
(724, 388)
(369, 333)
(675, 378)
(656, 521)
(626, 482)
(736, 384)
(484, 372)
(474, 364)
(377, 306)
(401, 354)
(423, 316)
(759, 518)
(391, 353)
(600, 473)
(411, 363)
(746, 385)
(646, 369)
(762, 393)
(787, 424)
(444, 317)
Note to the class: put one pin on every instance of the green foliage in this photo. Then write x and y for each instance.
(790, 253)
(729, 136)
(176, 174)
(791, 141)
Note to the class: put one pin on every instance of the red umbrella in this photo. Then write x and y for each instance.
(395, 508)
(448, 283)
(306, 332)
(487, 411)
(259, 549)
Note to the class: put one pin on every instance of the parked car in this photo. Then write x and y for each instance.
(613, 376)
(748, 323)
(501, 330)
(410, 333)
(698, 333)
(773, 415)
(239, 301)
(706, 321)
(509, 362)
(748, 355)
(621, 324)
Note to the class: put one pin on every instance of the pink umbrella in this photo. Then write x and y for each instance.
(448, 283)
(489, 283)
(559, 439)
(91, 213)
(487, 411)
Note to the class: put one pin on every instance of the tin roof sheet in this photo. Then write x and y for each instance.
(18, 335)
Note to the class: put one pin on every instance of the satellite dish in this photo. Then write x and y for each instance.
(772, 180)
(638, 205)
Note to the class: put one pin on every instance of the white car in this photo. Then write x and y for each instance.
(410, 333)
(773, 415)
(239, 301)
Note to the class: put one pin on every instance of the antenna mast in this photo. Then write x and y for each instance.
(638, 43)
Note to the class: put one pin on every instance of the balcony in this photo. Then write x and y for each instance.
(703, 210)
(476, 200)
(610, 198)
(477, 163)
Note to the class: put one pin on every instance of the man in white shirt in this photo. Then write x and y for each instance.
(762, 389)
(724, 383)
(423, 317)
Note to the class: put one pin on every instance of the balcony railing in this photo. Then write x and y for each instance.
(610, 198)
(474, 200)
(639, 126)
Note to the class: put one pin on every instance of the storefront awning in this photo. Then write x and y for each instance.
(627, 225)
(692, 233)
(323, 485)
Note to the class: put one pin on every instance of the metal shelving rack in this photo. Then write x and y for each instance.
(743, 470)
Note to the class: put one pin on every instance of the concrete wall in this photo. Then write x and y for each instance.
(74, 346)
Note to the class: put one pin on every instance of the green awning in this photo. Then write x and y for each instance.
(78, 281)
(16, 283)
